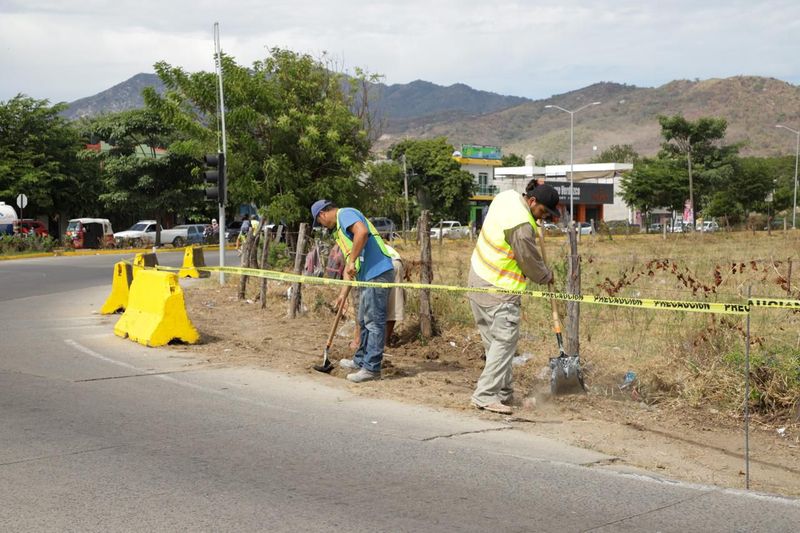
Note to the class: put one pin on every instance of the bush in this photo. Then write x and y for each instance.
(17, 244)
(279, 255)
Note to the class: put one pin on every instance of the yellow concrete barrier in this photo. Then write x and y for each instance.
(156, 312)
(120, 289)
(193, 258)
(142, 260)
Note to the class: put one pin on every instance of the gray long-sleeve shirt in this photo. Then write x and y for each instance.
(523, 241)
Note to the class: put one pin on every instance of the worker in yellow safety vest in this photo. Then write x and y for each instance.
(366, 259)
(506, 256)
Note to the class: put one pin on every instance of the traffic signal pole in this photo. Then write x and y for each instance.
(223, 188)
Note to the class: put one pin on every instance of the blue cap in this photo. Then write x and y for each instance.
(317, 208)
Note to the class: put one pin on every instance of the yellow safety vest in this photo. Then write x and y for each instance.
(346, 244)
(493, 259)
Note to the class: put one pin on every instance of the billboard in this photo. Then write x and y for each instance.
(584, 193)
(478, 151)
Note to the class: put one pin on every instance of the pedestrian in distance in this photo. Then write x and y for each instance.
(506, 257)
(243, 231)
(366, 259)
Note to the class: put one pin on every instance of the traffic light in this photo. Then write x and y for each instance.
(214, 177)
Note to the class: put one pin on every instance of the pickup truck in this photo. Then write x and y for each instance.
(452, 229)
(143, 233)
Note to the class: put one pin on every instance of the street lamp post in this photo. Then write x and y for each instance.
(796, 158)
(571, 150)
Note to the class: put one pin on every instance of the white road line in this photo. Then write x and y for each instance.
(88, 351)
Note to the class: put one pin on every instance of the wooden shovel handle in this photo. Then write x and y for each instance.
(556, 319)
(338, 317)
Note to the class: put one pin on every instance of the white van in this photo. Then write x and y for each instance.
(708, 225)
(8, 216)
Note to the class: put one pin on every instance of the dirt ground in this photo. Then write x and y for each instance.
(700, 445)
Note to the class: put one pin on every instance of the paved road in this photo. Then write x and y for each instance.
(100, 434)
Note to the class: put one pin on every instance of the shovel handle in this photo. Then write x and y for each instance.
(553, 306)
(338, 317)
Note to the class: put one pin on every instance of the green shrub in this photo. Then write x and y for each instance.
(279, 255)
(17, 244)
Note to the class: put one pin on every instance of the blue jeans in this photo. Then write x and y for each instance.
(372, 319)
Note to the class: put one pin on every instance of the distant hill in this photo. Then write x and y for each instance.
(628, 114)
(120, 97)
(400, 105)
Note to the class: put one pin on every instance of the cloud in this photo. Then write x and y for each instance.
(63, 50)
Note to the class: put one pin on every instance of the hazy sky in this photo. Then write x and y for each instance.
(63, 49)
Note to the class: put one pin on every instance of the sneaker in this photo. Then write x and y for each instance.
(495, 407)
(363, 375)
(348, 364)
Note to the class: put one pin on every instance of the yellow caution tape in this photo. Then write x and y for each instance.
(780, 303)
(645, 303)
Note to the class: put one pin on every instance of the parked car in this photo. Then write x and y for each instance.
(89, 233)
(680, 227)
(708, 226)
(27, 226)
(183, 234)
(549, 226)
(585, 228)
(777, 223)
(656, 228)
(232, 230)
(385, 226)
(451, 229)
(142, 233)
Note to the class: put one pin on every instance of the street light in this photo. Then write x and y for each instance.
(571, 149)
(796, 157)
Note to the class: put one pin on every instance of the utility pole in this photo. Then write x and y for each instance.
(223, 149)
(407, 221)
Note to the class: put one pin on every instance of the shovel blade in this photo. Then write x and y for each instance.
(566, 376)
(326, 365)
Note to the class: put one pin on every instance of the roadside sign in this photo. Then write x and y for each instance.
(22, 201)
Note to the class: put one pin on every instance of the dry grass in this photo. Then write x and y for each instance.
(679, 358)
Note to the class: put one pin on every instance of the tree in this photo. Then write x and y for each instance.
(513, 160)
(436, 178)
(654, 183)
(139, 175)
(293, 135)
(617, 153)
(382, 190)
(38, 157)
(691, 140)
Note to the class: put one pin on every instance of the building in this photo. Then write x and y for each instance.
(595, 191)
(480, 161)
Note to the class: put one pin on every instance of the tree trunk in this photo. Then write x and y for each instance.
(573, 287)
(426, 275)
(246, 262)
(294, 300)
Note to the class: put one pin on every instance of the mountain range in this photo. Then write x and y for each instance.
(627, 115)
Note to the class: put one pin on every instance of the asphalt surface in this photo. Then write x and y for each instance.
(100, 434)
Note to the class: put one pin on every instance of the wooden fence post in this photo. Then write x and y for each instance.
(294, 301)
(264, 264)
(247, 256)
(425, 275)
(573, 287)
(789, 279)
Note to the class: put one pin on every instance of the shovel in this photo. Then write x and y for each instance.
(326, 365)
(566, 376)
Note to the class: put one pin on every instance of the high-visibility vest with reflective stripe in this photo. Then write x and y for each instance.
(346, 243)
(493, 258)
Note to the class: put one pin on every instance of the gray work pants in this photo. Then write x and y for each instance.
(499, 329)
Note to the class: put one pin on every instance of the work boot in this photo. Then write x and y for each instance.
(363, 375)
(494, 407)
(349, 364)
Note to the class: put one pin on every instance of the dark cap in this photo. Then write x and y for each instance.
(545, 195)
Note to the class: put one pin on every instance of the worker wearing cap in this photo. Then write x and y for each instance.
(366, 259)
(506, 257)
